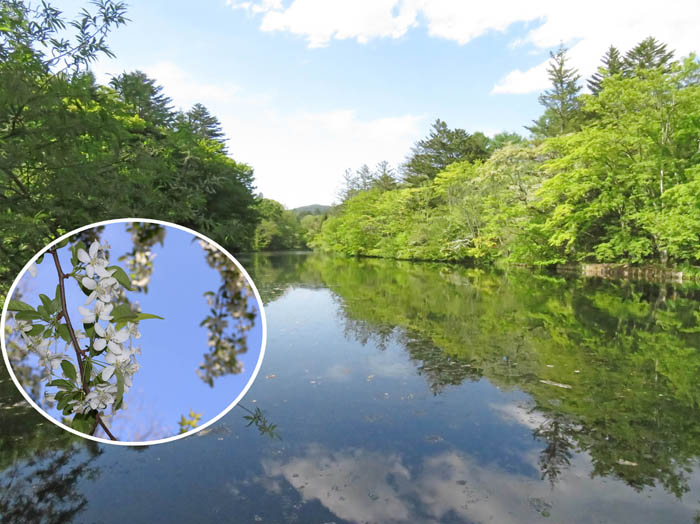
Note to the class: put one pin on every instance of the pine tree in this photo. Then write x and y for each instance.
(612, 64)
(441, 148)
(204, 124)
(384, 177)
(562, 106)
(647, 54)
(145, 95)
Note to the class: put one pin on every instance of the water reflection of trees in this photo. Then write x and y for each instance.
(40, 464)
(612, 366)
(44, 488)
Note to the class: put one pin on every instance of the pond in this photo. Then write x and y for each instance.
(411, 392)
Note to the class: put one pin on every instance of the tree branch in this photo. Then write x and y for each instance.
(64, 307)
(78, 353)
(98, 418)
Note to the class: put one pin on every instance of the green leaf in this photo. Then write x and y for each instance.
(87, 370)
(144, 316)
(120, 386)
(62, 402)
(62, 243)
(122, 313)
(121, 277)
(68, 369)
(74, 250)
(36, 330)
(47, 303)
(63, 332)
(44, 313)
(62, 383)
(18, 305)
(57, 299)
(83, 422)
(39, 260)
(28, 315)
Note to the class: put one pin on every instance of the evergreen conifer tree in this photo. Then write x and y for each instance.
(647, 54)
(612, 64)
(562, 106)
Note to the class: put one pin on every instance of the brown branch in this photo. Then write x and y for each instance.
(104, 427)
(94, 426)
(78, 353)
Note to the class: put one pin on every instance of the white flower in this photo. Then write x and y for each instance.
(39, 344)
(94, 263)
(102, 311)
(110, 338)
(80, 406)
(103, 290)
(115, 361)
(47, 359)
(133, 329)
(23, 326)
(101, 397)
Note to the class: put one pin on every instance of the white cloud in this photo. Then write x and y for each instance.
(323, 20)
(177, 83)
(361, 485)
(589, 29)
(299, 157)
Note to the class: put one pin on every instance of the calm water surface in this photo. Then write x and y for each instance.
(408, 392)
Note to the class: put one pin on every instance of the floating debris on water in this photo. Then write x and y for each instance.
(623, 462)
(557, 384)
(541, 506)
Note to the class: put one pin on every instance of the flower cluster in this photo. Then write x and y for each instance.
(104, 362)
(109, 342)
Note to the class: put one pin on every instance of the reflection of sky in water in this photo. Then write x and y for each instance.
(362, 442)
(166, 386)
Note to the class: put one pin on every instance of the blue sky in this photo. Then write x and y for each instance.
(308, 88)
(166, 386)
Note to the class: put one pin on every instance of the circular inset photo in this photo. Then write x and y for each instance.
(133, 332)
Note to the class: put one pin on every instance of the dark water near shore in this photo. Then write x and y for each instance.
(407, 392)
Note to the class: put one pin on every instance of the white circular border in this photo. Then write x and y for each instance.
(148, 442)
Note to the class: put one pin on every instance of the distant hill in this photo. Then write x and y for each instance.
(313, 209)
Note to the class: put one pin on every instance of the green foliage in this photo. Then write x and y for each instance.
(204, 124)
(74, 152)
(383, 178)
(622, 186)
(468, 211)
(145, 97)
(258, 419)
(279, 229)
(647, 54)
(562, 106)
(612, 65)
(189, 423)
(442, 147)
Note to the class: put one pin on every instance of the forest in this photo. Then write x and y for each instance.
(610, 175)
(607, 176)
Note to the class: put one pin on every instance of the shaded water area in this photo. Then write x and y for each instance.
(408, 392)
